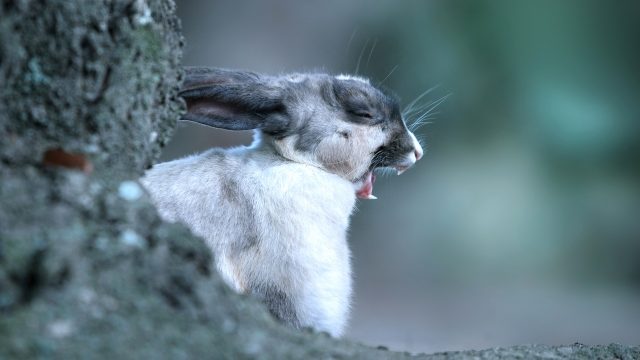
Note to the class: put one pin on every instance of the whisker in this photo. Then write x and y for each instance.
(390, 72)
(386, 171)
(415, 127)
(420, 108)
(421, 140)
(353, 35)
(373, 47)
(421, 121)
(429, 111)
(360, 57)
(424, 116)
(437, 103)
(410, 106)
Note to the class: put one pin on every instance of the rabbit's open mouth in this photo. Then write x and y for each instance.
(364, 184)
(365, 191)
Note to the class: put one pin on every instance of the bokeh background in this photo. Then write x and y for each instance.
(522, 222)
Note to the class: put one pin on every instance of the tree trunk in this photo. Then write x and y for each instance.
(87, 268)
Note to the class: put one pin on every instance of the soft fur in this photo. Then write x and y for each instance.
(276, 214)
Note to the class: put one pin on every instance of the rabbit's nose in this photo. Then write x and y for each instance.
(410, 157)
(417, 152)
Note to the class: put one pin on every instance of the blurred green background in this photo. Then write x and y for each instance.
(522, 222)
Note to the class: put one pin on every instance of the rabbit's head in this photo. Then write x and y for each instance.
(341, 124)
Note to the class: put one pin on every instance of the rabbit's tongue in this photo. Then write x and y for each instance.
(366, 190)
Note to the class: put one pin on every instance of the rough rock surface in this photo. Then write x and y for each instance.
(87, 268)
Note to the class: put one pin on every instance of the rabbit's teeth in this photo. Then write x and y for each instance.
(401, 169)
(366, 189)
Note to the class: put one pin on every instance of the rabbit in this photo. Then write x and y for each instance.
(276, 213)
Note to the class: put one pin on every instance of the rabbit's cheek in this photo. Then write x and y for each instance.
(334, 155)
(369, 138)
(361, 147)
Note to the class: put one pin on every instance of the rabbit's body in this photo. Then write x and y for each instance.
(276, 214)
(277, 227)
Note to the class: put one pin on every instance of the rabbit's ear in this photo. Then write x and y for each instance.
(234, 100)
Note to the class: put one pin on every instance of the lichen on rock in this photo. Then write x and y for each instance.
(91, 78)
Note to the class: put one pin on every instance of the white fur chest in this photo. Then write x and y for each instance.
(314, 207)
(277, 228)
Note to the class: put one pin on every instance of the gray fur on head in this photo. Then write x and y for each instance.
(276, 213)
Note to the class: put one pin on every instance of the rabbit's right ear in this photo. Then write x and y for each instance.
(234, 100)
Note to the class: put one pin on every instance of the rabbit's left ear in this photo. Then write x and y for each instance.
(233, 100)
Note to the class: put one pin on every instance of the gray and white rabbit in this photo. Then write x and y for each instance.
(276, 213)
